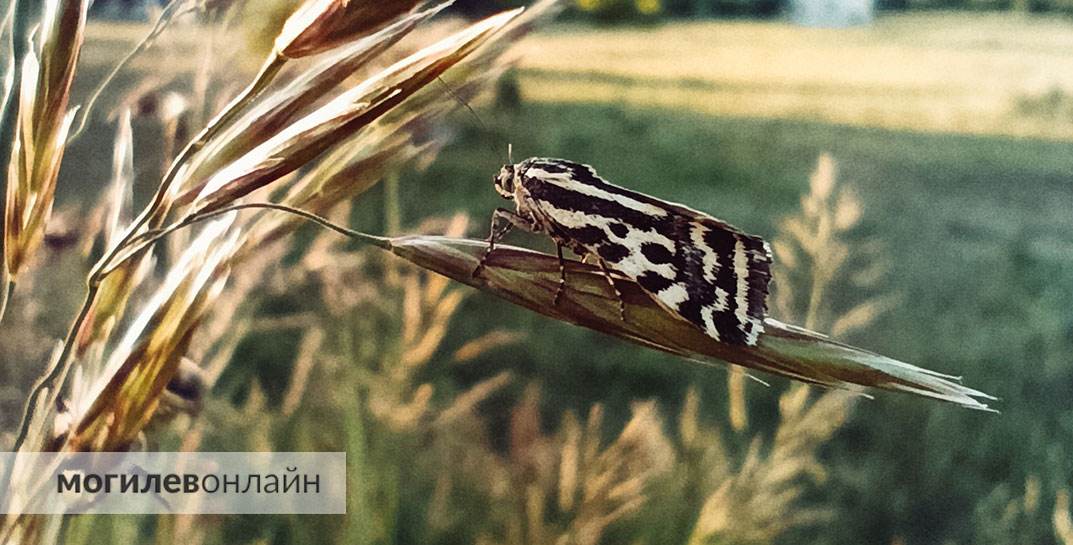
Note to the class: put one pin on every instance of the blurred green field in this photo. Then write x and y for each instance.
(977, 234)
(966, 190)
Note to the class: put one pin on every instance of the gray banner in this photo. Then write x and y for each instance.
(174, 482)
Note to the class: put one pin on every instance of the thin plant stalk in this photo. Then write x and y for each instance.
(818, 285)
(153, 212)
(58, 367)
(169, 14)
(151, 237)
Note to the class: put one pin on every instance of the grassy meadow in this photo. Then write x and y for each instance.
(953, 132)
(965, 189)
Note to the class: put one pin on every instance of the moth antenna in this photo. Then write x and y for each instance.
(510, 153)
(484, 127)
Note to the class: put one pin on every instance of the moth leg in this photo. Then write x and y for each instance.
(562, 275)
(614, 288)
(499, 230)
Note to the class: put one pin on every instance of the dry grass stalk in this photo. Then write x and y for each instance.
(41, 131)
(759, 500)
(614, 483)
(566, 488)
(1063, 522)
(466, 403)
(489, 341)
(739, 412)
(312, 341)
(319, 25)
(814, 250)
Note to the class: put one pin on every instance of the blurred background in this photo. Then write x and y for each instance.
(909, 159)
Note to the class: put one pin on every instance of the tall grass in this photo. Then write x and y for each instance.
(106, 381)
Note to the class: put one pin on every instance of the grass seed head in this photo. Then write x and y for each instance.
(278, 109)
(353, 110)
(42, 125)
(319, 25)
(147, 358)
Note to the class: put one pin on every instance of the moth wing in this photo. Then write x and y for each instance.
(698, 267)
(726, 275)
(717, 278)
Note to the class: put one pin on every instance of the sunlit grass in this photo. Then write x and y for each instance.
(925, 72)
(101, 392)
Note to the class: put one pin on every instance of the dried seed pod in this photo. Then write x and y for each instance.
(319, 25)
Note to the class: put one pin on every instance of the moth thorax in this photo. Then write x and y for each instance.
(504, 182)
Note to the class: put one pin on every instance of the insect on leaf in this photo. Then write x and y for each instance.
(530, 279)
(700, 268)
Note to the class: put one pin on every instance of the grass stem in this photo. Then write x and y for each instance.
(148, 238)
(169, 13)
(5, 295)
(59, 367)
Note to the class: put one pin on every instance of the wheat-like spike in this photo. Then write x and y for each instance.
(283, 107)
(308, 137)
(42, 124)
(319, 25)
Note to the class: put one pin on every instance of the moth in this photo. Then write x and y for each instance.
(697, 267)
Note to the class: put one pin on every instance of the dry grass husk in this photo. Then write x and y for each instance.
(292, 140)
(42, 125)
(529, 279)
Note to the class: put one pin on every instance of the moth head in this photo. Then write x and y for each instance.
(504, 182)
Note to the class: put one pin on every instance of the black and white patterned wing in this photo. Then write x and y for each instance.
(700, 268)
